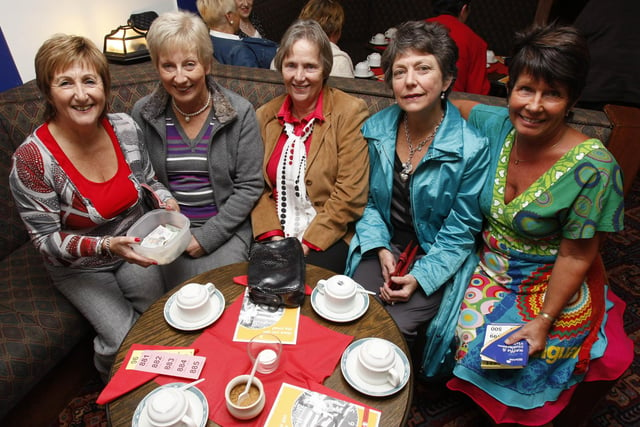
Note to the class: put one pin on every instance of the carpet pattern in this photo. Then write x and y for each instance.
(436, 406)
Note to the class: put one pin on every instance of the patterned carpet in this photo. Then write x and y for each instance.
(435, 406)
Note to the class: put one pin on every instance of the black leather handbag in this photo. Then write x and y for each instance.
(276, 274)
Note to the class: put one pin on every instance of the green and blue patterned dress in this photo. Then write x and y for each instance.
(577, 197)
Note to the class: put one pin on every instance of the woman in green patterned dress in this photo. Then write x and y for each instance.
(551, 195)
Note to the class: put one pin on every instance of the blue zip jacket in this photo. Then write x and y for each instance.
(444, 192)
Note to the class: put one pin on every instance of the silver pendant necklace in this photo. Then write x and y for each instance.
(407, 167)
(187, 116)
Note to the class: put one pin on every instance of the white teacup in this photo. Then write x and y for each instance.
(374, 59)
(376, 364)
(193, 301)
(491, 57)
(362, 69)
(379, 38)
(391, 32)
(169, 407)
(339, 293)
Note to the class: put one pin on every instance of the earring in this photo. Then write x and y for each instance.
(231, 22)
(443, 95)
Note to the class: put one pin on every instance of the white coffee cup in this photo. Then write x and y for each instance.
(169, 407)
(391, 32)
(362, 69)
(339, 293)
(379, 38)
(376, 361)
(374, 59)
(193, 301)
(491, 57)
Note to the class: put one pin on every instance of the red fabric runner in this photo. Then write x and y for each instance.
(306, 364)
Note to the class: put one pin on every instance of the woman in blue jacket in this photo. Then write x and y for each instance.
(427, 168)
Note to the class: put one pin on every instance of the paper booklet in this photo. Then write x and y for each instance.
(255, 319)
(299, 407)
(495, 354)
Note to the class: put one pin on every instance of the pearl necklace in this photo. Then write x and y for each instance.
(187, 116)
(407, 167)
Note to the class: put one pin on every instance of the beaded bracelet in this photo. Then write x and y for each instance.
(99, 246)
(547, 316)
(107, 246)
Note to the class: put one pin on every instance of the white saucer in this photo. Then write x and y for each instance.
(359, 308)
(350, 371)
(366, 76)
(197, 405)
(386, 42)
(174, 318)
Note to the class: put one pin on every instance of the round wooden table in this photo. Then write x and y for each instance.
(152, 329)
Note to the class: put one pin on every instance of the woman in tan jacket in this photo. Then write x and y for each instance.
(316, 193)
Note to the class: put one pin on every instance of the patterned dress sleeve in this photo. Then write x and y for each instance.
(599, 205)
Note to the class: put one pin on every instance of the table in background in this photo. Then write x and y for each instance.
(152, 329)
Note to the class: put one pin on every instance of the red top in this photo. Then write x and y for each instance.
(109, 198)
(472, 56)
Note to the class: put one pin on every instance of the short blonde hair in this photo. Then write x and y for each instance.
(180, 30)
(328, 13)
(60, 52)
(214, 11)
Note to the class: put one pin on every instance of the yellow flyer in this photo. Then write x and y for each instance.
(299, 407)
(256, 318)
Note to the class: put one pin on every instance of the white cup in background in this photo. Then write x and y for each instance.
(339, 292)
(391, 33)
(193, 301)
(376, 361)
(169, 407)
(491, 57)
(362, 69)
(374, 59)
(379, 38)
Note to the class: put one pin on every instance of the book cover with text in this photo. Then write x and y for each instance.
(495, 354)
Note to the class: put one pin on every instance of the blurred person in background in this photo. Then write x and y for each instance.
(250, 23)
(223, 20)
(330, 15)
(472, 49)
(613, 36)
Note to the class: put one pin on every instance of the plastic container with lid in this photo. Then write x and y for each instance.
(172, 248)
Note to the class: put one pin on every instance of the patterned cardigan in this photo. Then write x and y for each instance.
(46, 197)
